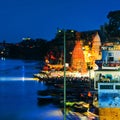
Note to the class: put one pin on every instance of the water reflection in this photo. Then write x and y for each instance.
(16, 78)
(18, 68)
(2, 58)
(18, 93)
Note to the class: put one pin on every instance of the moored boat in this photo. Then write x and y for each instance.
(44, 99)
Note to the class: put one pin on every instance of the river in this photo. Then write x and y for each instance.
(18, 92)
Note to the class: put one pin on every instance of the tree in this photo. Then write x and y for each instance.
(113, 27)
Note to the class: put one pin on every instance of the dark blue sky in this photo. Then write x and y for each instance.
(41, 18)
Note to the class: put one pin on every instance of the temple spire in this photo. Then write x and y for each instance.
(78, 60)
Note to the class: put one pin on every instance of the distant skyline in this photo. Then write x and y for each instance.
(41, 18)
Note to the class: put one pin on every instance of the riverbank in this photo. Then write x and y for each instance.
(81, 98)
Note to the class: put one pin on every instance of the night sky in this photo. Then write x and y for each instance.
(41, 18)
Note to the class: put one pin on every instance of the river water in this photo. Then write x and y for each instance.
(18, 92)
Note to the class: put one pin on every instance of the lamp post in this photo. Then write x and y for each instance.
(64, 75)
(64, 62)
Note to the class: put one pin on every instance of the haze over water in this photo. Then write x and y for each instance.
(18, 92)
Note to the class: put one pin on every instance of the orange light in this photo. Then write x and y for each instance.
(89, 94)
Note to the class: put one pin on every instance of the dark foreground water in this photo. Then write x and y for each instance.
(18, 92)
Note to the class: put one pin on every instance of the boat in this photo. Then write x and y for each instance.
(44, 99)
(41, 75)
(81, 108)
(44, 96)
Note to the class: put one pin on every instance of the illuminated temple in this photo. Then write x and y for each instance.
(78, 59)
(95, 51)
(82, 56)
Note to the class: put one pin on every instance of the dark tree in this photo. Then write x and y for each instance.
(113, 27)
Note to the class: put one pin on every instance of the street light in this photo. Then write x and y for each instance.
(64, 75)
(64, 63)
(64, 47)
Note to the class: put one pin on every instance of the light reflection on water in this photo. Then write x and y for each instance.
(16, 78)
(18, 93)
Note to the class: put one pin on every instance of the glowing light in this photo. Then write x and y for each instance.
(16, 78)
(59, 30)
(2, 52)
(55, 113)
(2, 58)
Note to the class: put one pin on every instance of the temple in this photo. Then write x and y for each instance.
(78, 59)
